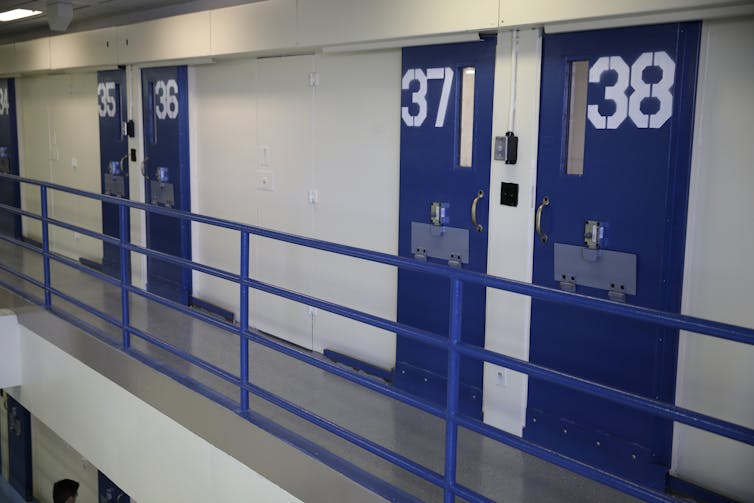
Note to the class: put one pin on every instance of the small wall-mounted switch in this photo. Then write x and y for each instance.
(74, 163)
(313, 195)
(265, 180)
(506, 148)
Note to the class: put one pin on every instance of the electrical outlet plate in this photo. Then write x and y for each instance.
(265, 180)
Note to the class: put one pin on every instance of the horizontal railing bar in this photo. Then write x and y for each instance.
(333, 428)
(21, 293)
(323, 365)
(86, 307)
(683, 322)
(199, 315)
(416, 334)
(183, 355)
(375, 321)
(219, 398)
(366, 382)
(366, 444)
(19, 211)
(166, 257)
(468, 494)
(655, 407)
(22, 276)
(82, 230)
(86, 270)
(558, 459)
(678, 321)
(22, 244)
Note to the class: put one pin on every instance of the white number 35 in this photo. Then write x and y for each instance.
(626, 106)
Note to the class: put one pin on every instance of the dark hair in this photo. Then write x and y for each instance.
(64, 489)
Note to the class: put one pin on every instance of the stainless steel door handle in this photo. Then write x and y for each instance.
(479, 196)
(143, 169)
(538, 219)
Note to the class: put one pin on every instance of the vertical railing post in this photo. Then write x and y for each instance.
(45, 246)
(125, 273)
(244, 321)
(454, 364)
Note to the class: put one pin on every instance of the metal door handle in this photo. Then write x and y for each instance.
(479, 196)
(538, 219)
(143, 171)
(122, 160)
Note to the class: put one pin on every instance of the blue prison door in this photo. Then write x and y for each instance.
(10, 195)
(446, 128)
(114, 163)
(612, 188)
(166, 175)
(19, 449)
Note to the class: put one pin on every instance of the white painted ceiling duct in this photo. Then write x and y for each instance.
(59, 14)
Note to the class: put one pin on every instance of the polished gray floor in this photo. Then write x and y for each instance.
(495, 470)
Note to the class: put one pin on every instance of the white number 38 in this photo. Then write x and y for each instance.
(626, 106)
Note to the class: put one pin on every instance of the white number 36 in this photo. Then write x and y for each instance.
(166, 102)
(626, 106)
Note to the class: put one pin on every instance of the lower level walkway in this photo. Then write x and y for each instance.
(484, 465)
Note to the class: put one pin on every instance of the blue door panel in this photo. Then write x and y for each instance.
(19, 449)
(114, 163)
(10, 223)
(635, 183)
(166, 165)
(431, 172)
(108, 492)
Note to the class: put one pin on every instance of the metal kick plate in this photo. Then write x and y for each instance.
(162, 193)
(114, 185)
(604, 269)
(444, 243)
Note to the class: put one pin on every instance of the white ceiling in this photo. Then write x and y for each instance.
(91, 14)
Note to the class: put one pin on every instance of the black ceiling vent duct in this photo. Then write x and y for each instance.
(59, 14)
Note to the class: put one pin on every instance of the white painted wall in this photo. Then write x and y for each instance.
(53, 459)
(714, 376)
(510, 245)
(261, 117)
(10, 347)
(59, 142)
(4, 436)
(84, 407)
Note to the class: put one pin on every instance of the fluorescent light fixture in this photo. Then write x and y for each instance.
(12, 15)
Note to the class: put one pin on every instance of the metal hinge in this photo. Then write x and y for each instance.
(313, 79)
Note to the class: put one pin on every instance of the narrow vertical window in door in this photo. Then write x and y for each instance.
(466, 136)
(579, 83)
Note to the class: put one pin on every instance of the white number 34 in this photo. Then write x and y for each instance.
(626, 106)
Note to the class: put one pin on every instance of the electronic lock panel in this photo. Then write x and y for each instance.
(166, 177)
(10, 223)
(114, 162)
(612, 183)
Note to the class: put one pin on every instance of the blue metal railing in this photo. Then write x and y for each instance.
(452, 344)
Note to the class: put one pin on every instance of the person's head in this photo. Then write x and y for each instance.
(65, 491)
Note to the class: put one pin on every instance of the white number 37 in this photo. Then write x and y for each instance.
(419, 97)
